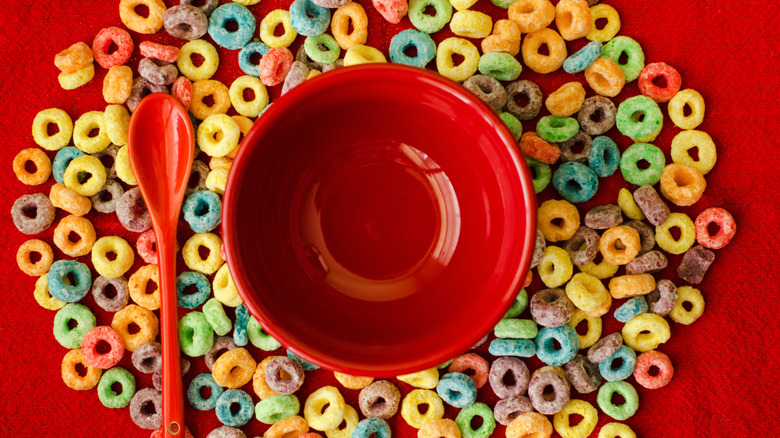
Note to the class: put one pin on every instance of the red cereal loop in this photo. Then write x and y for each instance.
(145, 245)
(533, 146)
(275, 65)
(162, 52)
(474, 362)
(102, 42)
(182, 91)
(91, 349)
(653, 91)
(726, 228)
(649, 359)
(159, 433)
(392, 10)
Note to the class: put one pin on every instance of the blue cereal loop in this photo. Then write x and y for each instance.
(225, 14)
(305, 365)
(426, 48)
(631, 308)
(61, 161)
(245, 56)
(567, 339)
(191, 278)
(611, 374)
(457, 389)
(512, 347)
(604, 156)
(224, 411)
(371, 426)
(69, 293)
(240, 335)
(193, 393)
(203, 211)
(575, 182)
(309, 19)
(583, 58)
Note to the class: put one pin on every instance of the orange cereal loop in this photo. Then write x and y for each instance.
(220, 163)
(572, 18)
(507, 29)
(117, 84)
(628, 286)
(73, 365)
(74, 236)
(290, 427)
(244, 125)
(532, 15)
(605, 77)
(68, 200)
(567, 100)
(259, 384)
(148, 24)
(682, 185)
(32, 166)
(529, 425)
(141, 290)
(234, 368)
(603, 309)
(441, 428)
(34, 257)
(136, 326)
(538, 62)
(74, 58)
(353, 382)
(535, 147)
(219, 94)
(495, 43)
(619, 245)
(552, 369)
(340, 25)
(557, 219)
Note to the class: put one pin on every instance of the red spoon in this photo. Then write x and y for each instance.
(161, 147)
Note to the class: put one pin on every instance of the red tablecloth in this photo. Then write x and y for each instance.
(726, 363)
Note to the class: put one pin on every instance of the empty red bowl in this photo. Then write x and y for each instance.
(378, 220)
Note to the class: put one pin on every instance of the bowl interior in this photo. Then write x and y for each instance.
(378, 220)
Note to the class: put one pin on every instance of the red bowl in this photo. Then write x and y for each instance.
(378, 220)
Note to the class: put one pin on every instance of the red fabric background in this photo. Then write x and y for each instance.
(726, 363)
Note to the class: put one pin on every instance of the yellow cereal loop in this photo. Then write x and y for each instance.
(446, 65)
(352, 382)
(317, 415)
(646, 332)
(217, 180)
(268, 26)
(628, 205)
(218, 135)
(689, 305)
(616, 430)
(462, 4)
(43, 297)
(583, 429)
(204, 70)
(40, 129)
(557, 219)
(71, 81)
(247, 2)
(85, 175)
(556, 268)
(665, 239)
(112, 256)
(252, 107)
(601, 311)
(138, 285)
(426, 379)
(191, 253)
(313, 73)
(410, 407)
(628, 286)
(224, 290)
(552, 369)
(602, 270)
(349, 423)
(650, 137)
(694, 101)
(566, 100)
(687, 140)
(124, 170)
(116, 119)
(147, 23)
(83, 129)
(361, 54)
(586, 291)
(594, 325)
(471, 24)
(220, 163)
(612, 27)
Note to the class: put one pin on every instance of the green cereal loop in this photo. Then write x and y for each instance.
(511, 328)
(503, 3)
(521, 302)
(541, 173)
(195, 334)
(276, 408)
(514, 125)
(445, 364)
(627, 409)
(638, 152)
(501, 66)
(216, 316)
(312, 47)
(426, 23)
(259, 338)
(631, 110)
(636, 57)
(107, 396)
(480, 409)
(557, 129)
(85, 321)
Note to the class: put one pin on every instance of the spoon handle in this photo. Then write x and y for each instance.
(172, 395)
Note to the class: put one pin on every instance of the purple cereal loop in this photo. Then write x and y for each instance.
(520, 375)
(539, 246)
(198, 174)
(301, 56)
(488, 89)
(142, 88)
(132, 213)
(560, 396)
(157, 376)
(148, 358)
(207, 7)
(508, 409)
(603, 217)
(100, 292)
(480, 342)
(331, 4)
(695, 264)
(222, 345)
(597, 115)
(226, 432)
(105, 200)
(662, 299)
(296, 76)
(567, 152)
(109, 152)
(605, 347)
(529, 90)
(380, 399)
(655, 209)
(185, 22)
(586, 239)
(273, 378)
(33, 213)
(583, 374)
(146, 408)
(157, 72)
(646, 235)
(551, 308)
(649, 262)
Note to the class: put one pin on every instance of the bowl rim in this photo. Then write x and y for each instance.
(341, 77)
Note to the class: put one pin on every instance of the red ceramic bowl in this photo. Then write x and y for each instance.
(378, 220)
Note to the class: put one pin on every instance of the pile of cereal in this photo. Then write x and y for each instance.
(616, 248)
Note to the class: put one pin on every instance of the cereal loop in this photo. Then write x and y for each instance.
(441, 428)
(138, 285)
(38, 250)
(612, 27)
(628, 286)
(40, 129)
(85, 175)
(616, 430)
(572, 18)
(594, 327)
(579, 407)
(74, 58)
(105, 39)
(206, 69)
(530, 425)
(683, 142)
(689, 305)
(352, 382)
(410, 407)
(135, 22)
(269, 24)
(681, 184)
(605, 77)
(83, 128)
(112, 256)
(33, 158)
(557, 220)
(354, 14)
(330, 417)
(646, 332)
(143, 320)
(71, 363)
(74, 236)
(666, 240)
(290, 427)
(532, 15)
(694, 102)
(619, 245)
(446, 65)
(71, 81)
(543, 63)
(234, 368)
(217, 91)
(258, 101)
